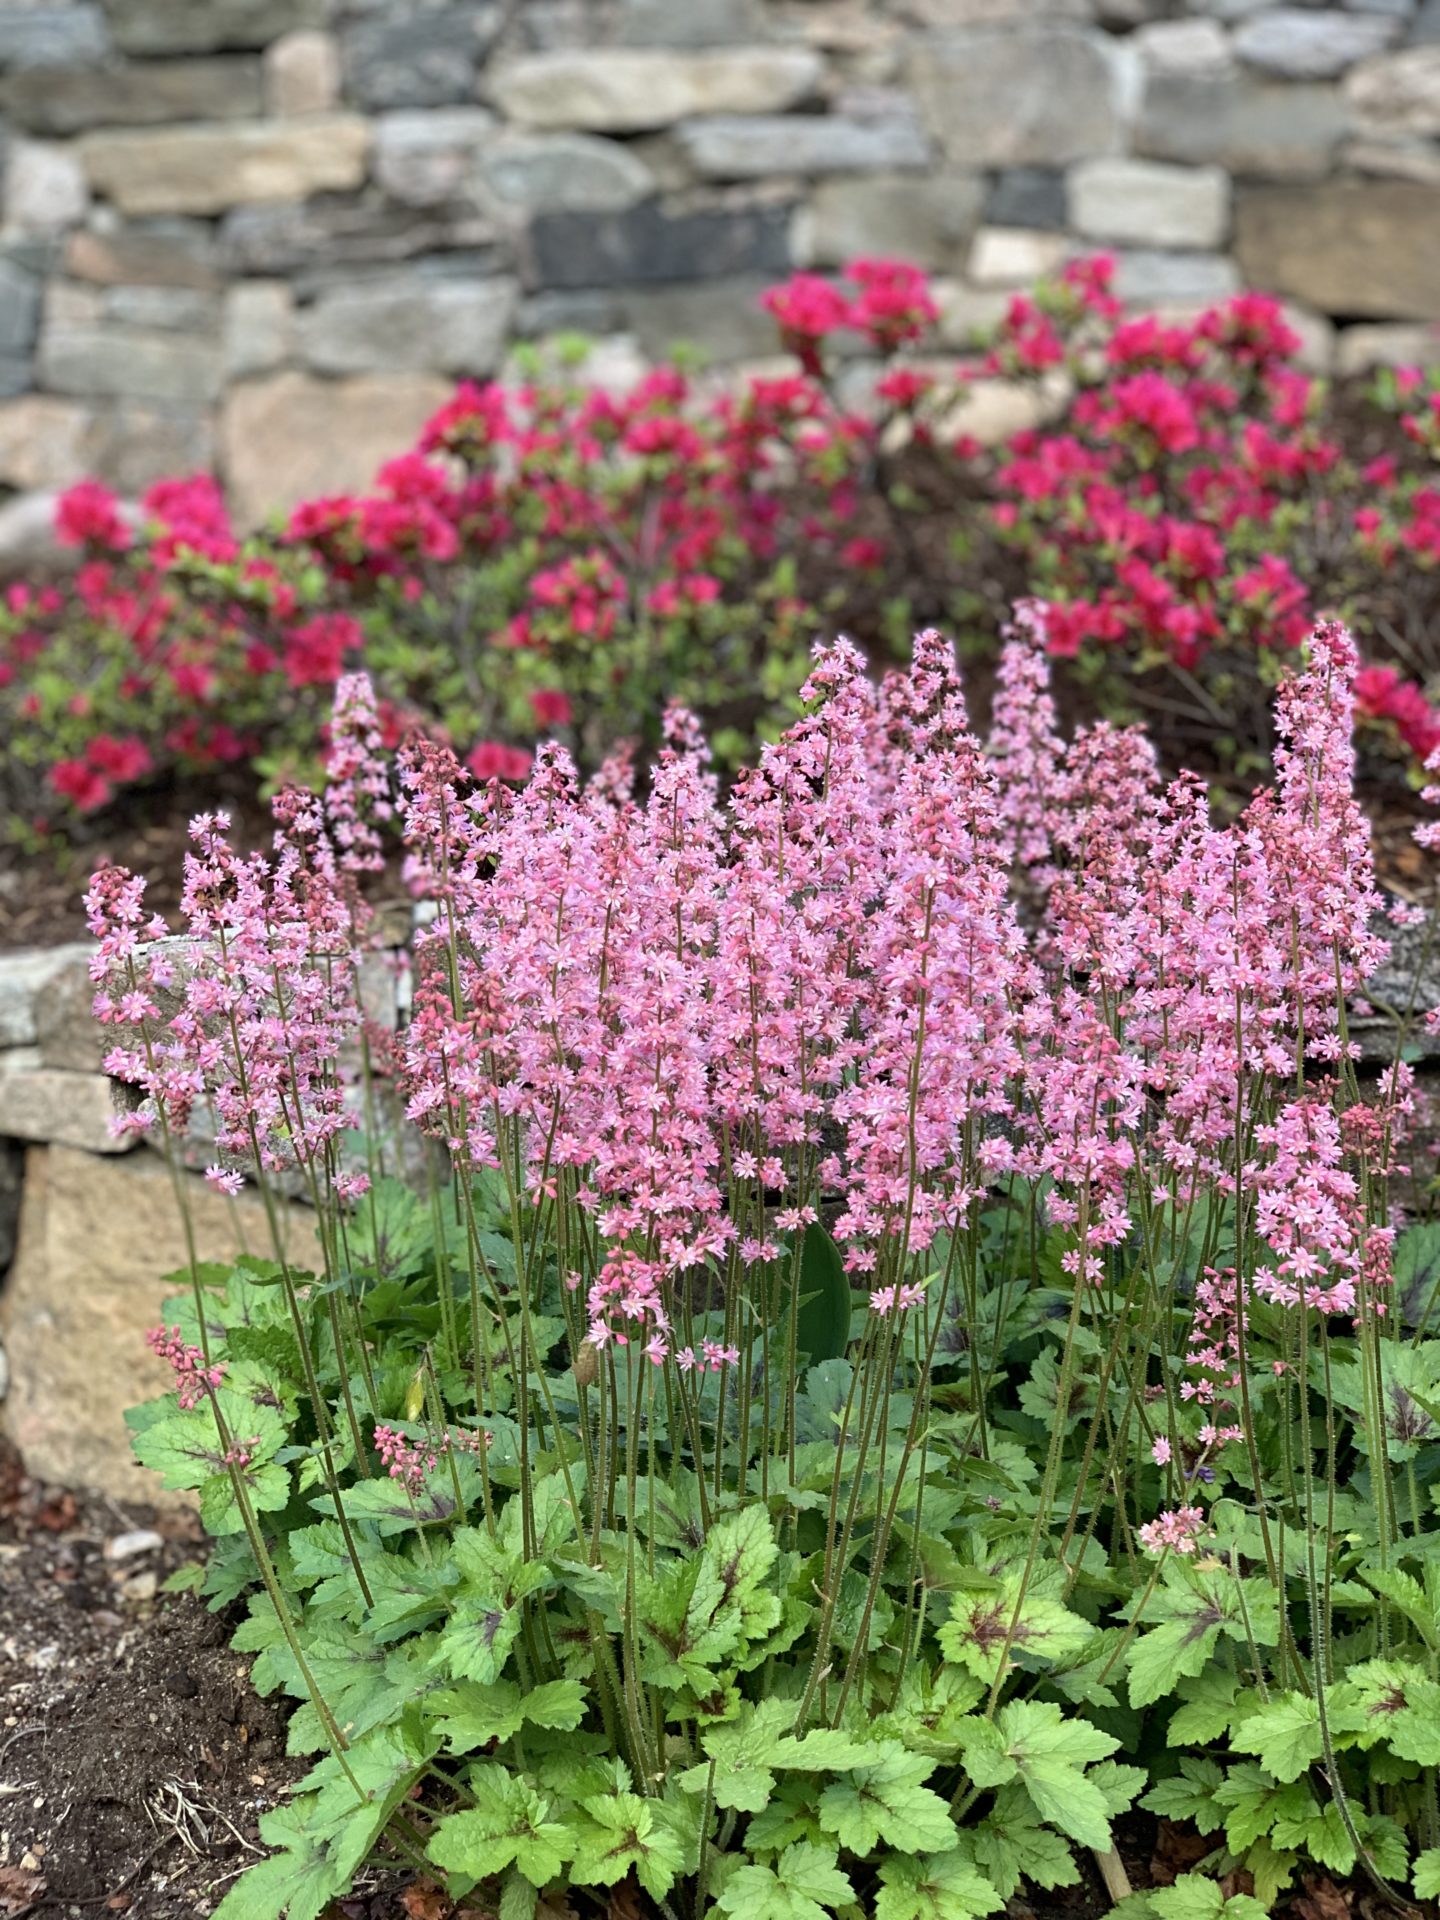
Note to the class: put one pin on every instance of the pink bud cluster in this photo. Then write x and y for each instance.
(193, 1378)
(1179, 1530)
(412, 1464)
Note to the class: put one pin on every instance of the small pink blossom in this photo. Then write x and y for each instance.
(1178, 1529)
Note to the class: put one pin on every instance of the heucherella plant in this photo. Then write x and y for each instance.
(843, 1308)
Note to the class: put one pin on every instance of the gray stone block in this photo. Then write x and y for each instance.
(929, 220)
(732, 329)
(27, 530)
(24, 977)
(617, 90)
(564, 172)
(167, 309)
(652, 245)
(1398, 93)
(128, 363)
(46, 1106)
(426, 156)
(1042, 94)
(334, 235)
(70, 1038)
(425, 60)
(407, 324)
(1297, 44)
(1027, 197)
(19, 308)
(259, 327)
(1149, 203)
(756, 146)
(1260, 129)
(161, 253)
(1145, 278)
(44, 188)
(596, 311)
(207, 26)
(72, 100)
(52, 36)
(1199, 47)
(136, 443)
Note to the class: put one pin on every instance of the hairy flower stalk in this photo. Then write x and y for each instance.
(774, 1136)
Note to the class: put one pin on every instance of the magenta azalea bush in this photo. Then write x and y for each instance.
(555, 562)
(862, 1329)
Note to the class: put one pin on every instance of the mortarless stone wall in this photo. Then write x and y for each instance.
(264, 235)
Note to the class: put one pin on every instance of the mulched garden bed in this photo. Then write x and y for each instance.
(135, 1760)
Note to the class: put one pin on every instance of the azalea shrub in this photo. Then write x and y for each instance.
(1200, 498)
(547, 560)
(556, 561)
(859, 1330)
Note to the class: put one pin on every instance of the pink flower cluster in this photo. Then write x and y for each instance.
(1185, 502)
(1178, 1530)
(894, 968)
(891, 306)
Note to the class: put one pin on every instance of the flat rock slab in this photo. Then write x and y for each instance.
(289, 436)
(97, 1240)
(24, 978)
(1366, 249)
(206, 170)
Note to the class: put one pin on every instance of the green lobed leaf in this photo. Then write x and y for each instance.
(508, 1826)
(1284, 1734)
(942, 1886)
(1010, 1844)
(887, 1800)
(976, 1632)
(1425, 1876)
(805, 1883)
(1189, 1794)
(1195, 1897)
(740, 1753)
(627, 1834)
(1397, 1702)
(1033, 1741)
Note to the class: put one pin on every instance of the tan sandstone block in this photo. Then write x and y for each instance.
(290, 436)
(209, 169)
(97, 1238)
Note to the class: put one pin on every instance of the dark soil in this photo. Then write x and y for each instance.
(134, 1758)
